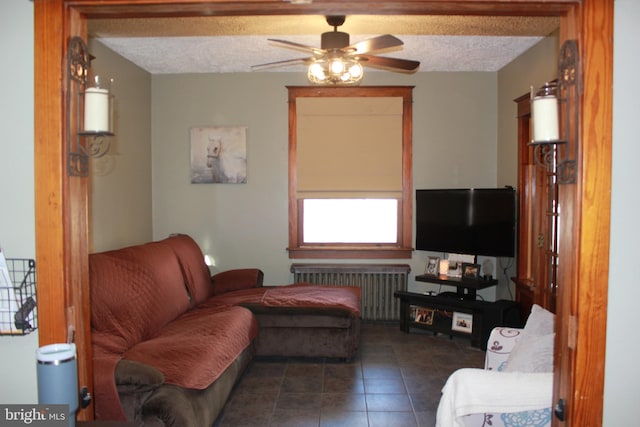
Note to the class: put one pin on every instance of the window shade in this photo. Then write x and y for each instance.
(349, 147)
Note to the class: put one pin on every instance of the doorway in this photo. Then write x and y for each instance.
(61, 202)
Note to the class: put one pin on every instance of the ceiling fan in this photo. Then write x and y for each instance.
(338, 62)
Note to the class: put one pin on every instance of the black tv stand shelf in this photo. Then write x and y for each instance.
(466, 288)
(485, 315)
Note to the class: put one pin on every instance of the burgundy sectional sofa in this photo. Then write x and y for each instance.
(170, 341)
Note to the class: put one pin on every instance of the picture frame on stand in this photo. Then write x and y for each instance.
(462, 322)
(423, 315)
(433, 266)
(470, 271)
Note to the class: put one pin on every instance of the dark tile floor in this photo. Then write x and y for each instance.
(394, 381)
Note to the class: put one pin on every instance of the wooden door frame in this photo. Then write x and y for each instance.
(61, 202)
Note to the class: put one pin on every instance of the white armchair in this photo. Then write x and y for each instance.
(514, 390)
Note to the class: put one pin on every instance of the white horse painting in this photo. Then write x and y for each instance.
(218, 155)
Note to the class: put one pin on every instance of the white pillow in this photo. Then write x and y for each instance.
(540, 322)
(532, 354)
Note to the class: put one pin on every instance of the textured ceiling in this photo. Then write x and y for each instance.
(234, 44)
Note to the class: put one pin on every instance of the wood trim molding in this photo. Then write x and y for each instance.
(581, 346)
(49, 170)
(61, 235)
(171, 8)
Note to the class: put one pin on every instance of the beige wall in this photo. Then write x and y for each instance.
(120, 205)
(464, 135)
(241, 225)
(535, 67)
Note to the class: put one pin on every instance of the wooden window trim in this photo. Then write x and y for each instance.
(402, 249)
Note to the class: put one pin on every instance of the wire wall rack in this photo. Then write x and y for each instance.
(18, 308)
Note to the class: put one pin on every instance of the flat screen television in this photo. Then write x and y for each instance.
(473, 221)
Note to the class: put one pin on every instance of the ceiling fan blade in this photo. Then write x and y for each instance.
(395, 64)
(375, 44)
(299, 46)
(281, 63)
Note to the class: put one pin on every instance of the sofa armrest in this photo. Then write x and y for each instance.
(136, 382)
(131, 375)
(234, 280)
(501, 342)
(472, 391)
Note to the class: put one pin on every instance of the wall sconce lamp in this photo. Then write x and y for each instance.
(89, 111)
(554, 112)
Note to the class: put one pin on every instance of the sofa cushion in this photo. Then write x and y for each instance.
(191, 259)
(135, 291)
(195, 349)
(305, 295)
(236, 280)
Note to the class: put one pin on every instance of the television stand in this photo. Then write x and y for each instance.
(438, 313)
(466, 288)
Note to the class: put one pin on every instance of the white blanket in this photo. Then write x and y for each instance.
(471, 391)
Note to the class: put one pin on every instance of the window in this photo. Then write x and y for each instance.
(350, 221)
(350, 172)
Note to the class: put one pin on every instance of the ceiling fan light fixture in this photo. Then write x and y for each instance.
(356, 70)
(337, 66)
(336, 62)
(335, 71)
(316, 73)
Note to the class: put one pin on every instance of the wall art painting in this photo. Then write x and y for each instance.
(218, 155)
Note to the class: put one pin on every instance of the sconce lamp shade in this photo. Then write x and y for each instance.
(556, 120)
(96, 110)
(544, 113)
(89, 113)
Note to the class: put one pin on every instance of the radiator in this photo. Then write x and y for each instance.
(377, 281)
